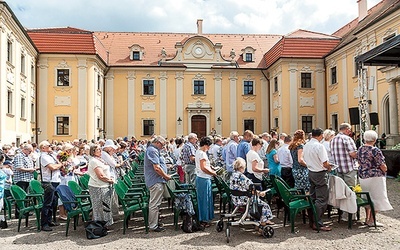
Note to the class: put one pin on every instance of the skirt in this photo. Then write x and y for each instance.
(376, 186)
(204, 199)
(102, 204)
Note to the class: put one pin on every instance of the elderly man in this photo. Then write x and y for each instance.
(244, 146)
(265, 138)
(155, 175)
(286, 161)
(344, 153)
(231, 151)
(318, 166)
(188, 153)
(50, 172)
(23, 169)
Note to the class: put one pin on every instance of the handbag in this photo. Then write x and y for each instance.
(95, 229)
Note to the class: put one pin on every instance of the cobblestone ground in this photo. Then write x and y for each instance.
(360, 237)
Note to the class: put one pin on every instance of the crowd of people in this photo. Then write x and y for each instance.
(304, 163)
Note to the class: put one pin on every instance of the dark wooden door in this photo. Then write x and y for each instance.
(199, 125)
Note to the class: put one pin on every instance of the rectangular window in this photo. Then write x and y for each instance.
(9, 51)
(32, 73)
(276, 122)
(275, 84)
(32, 112)
(148, 87)
(98, 123)
(333, 75)
(9, 102)
(22, 107)
(148, 127)
(306, 124)
(335, 122)
(98, 82)
(248, 88)
(62, 77)
(135, 55)
(305, 80)
(198, 87)
(249, 57)
(23, 64)
(62, 125)
(249, 125)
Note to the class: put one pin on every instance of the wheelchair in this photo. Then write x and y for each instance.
(243, 216)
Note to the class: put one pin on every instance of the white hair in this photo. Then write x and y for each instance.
(370, 136)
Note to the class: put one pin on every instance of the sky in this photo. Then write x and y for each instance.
(219, 16)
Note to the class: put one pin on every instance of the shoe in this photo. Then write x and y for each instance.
(322, 228)
(54, 224)
(158, 229)
(46, 228)
(3, 224)
(62, 217)
(377, 224)
(205, 224)
(160, 224)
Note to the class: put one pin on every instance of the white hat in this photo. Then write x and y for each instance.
(110, 143)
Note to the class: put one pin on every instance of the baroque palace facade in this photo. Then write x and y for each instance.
(67, 83)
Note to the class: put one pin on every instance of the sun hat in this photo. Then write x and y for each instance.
(109, 143)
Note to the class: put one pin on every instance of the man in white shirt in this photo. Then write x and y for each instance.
(316, 157)
(265, 137)
(286, 161)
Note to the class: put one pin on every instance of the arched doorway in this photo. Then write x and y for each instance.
(199, 125)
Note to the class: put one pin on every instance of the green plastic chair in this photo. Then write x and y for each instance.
(35, 187)
(84, 181)
(81, 195)
(225, 194)
(173, 193)
(73, 207)
(26, 204)
(130, 205)
(295, 203)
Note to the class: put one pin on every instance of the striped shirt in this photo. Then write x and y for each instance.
(341, 147)
(22, 160)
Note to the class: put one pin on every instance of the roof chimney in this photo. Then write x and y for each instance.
(362, 9)
(199, 26)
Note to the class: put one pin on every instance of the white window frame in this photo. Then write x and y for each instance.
(56, 123)
(154, 125)
(154, 86)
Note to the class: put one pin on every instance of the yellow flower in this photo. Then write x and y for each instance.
(357, 188)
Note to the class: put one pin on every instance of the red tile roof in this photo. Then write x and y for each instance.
(118, 43)
(67, 40)
(301, 44)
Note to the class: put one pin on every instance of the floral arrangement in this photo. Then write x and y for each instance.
(63, 156)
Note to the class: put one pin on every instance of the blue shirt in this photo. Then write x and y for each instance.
(230, 155)
(153, 156)
(242, 149)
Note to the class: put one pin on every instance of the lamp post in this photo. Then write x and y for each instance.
(179, 120)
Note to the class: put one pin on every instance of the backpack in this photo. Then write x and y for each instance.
(95, 229)
(190, 224)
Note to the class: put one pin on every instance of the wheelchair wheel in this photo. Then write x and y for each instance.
(220, 226)
(228, 234)
(268, 232)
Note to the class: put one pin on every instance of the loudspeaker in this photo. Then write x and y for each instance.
(354, 116)
(373, 118)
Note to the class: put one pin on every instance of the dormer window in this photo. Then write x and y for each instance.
(249, 57)
(135, 55)
(136, 52)
(248, 54)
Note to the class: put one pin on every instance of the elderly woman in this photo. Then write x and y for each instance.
(300, 170)
(100, 186)
(328, 136)
(255, 165)
(372, 174)
(203, 183)
(240, 182)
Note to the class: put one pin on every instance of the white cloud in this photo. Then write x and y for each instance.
(220, 16)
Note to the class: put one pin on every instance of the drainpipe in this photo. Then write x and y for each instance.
(36, 100)
(269, 101)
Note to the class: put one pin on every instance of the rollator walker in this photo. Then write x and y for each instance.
(250, 215)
